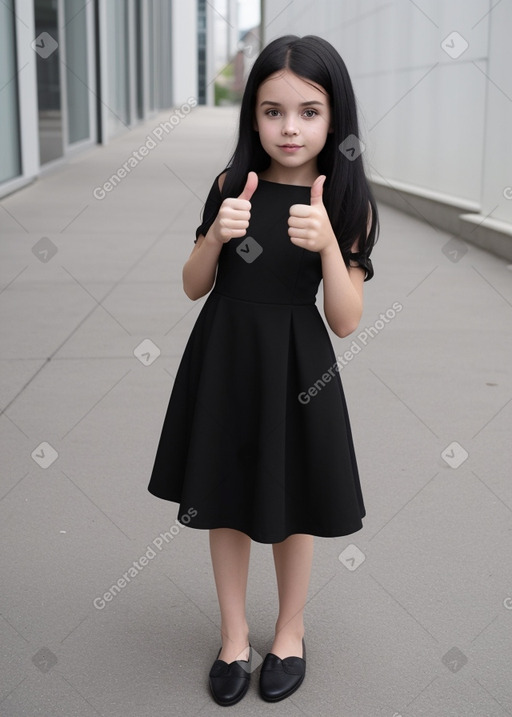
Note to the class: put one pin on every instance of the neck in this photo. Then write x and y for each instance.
(301, 176)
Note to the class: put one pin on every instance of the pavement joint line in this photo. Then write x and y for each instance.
(191, 600)
(491, 490)
(421, 692)
(492, 696)
(101, 714)
(13, 280)
(74, 219)
(485, 628)
(195, 305)
(404, 403)
(14, 486)
(404, 506)
(95, 404)
(15, 629)
(98, 301)
(492, 287)
(86, 317)
(75, 628)
(424, 279)
(492, 418)
(13, 689)
(95, 504)
(404, 96)
(15, 425)
(182, 181)
(2, 205)
(404, 608)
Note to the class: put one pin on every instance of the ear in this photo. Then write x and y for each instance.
(255, 125)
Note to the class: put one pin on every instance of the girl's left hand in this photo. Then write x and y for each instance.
(309, 224)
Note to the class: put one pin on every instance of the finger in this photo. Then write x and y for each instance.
(234, 223)
(298, 241)
(300, 210)
(298, 233)
(298, 222)
(317, 190)
(234, 213)
(250, 186)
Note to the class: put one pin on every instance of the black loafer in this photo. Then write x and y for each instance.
(230, 682)
(280, 678)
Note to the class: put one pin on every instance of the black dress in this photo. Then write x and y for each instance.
(257, 435)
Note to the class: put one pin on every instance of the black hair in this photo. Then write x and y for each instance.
(347, 195)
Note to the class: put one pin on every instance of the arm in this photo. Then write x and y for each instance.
(343, 290)
(201, 267)
(310, 228)
(231, 221)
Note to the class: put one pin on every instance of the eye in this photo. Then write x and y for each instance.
(309, 114)
(269, 113)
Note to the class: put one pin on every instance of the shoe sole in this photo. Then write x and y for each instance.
(284, 696)
(222, 703)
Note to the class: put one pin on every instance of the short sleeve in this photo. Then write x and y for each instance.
(364, 261)
(211, 208)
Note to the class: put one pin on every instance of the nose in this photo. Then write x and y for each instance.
(289, 126)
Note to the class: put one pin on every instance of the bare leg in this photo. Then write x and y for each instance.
(230, 550)
(292, 559)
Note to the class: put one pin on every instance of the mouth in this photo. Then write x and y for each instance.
(290, 147)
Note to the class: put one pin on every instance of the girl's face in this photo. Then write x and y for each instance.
(293, 119)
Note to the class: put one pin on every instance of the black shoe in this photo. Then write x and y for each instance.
(280, 678)
(230, 682)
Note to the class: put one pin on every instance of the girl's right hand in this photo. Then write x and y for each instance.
(235, 213)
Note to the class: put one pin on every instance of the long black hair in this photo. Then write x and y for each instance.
(347, 195)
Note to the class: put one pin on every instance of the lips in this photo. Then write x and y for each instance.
(290, 148)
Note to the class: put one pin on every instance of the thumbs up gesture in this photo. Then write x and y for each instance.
(234, 214)
(309, 226)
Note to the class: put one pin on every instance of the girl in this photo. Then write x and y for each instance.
(256, 443)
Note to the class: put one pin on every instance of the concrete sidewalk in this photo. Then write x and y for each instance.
(411, 616)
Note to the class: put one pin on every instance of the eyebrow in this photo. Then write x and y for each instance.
(302, 104)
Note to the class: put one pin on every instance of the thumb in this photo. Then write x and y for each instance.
(250, 186)
(317, 190)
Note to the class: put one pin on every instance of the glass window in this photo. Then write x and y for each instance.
(10, 160)
(77, 80)
(118, 100)
(151, 34)
(48, 80)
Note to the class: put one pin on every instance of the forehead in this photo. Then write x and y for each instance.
(285, 86)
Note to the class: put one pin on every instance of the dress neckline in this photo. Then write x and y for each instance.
(281, 184)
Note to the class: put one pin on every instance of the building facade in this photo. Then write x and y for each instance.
(74, 73)
(434, 87)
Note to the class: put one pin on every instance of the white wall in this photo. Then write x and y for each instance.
(431, 122)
